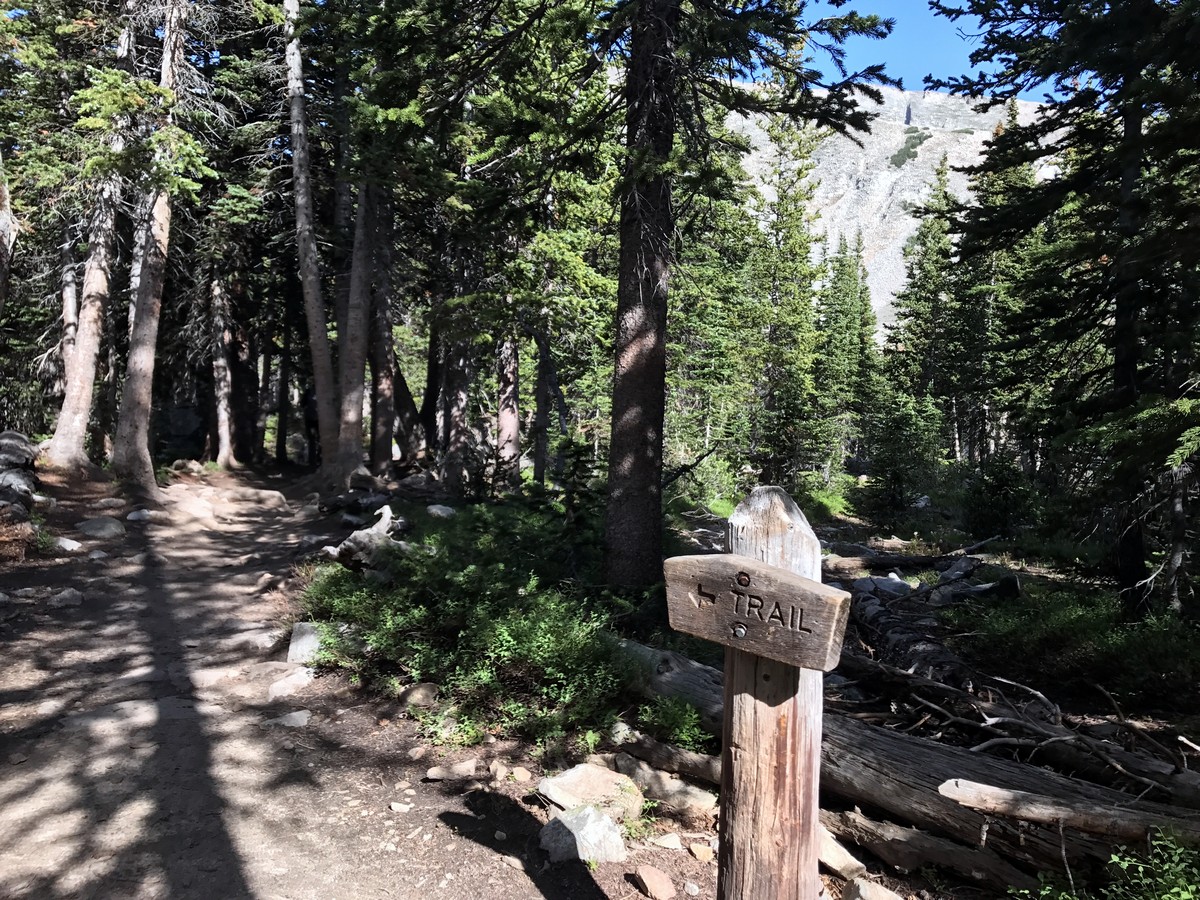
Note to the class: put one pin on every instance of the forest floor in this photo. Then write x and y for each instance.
(135, 756)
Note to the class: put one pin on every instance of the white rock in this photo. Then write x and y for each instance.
(108, 503)
(306, 641)
(438, 511)
(97, 555)
(668, 841)
(66, 545)
(691, 889)
(585, 834)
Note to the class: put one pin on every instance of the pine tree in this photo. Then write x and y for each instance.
(1124, 90)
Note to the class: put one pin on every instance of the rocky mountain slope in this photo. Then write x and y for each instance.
(876, 186)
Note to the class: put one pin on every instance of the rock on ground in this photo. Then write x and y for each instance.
(584, 833)
(654, 883)
(306, 641)
(101, 527)
(587, 785)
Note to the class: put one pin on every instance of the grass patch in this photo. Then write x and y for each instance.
(1070, 636)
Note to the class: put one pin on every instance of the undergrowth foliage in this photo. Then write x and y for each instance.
(1166, 870)
(494, 606)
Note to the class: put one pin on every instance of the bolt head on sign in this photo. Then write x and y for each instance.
(761, 609)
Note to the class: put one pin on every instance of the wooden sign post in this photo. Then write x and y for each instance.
(782, 629)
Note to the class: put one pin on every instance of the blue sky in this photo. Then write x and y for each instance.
(921, 44)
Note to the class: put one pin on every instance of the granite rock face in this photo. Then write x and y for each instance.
(860, 189)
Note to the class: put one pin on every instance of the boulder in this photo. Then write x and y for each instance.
(16, 451)
(422, 695)
(585, 834)
(306, 641)
(438, 511)
(101, 528)
(612, 793)
(20, 482)
(66, 545)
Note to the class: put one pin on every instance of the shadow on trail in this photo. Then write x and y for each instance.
(498, 813)
(109, 788)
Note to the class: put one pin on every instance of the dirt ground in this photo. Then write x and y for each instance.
(134, 762)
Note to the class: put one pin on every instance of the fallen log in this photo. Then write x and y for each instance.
(908, 849)
(1119, 822)
(1086, 757)
(900, 775)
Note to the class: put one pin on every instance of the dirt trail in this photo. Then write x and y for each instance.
(134, 762)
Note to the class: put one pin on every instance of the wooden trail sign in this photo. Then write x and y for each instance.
(782, 628)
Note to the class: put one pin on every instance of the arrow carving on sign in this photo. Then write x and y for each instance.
(704, 599)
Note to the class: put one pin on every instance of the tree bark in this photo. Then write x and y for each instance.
(455, 396)
(541, 413)
(246, 402)
(1133, 574)
(508, 417)
(283, 401)
(433, 385)
(131, 448)
(67, 445)
(8, 236)
(382, 346)
(222, 382)
(69, 294)
(633, 526)
(352, 346)
(306, 243)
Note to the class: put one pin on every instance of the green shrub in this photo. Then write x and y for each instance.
(676, 722)
(485, 608)
(1167, 871)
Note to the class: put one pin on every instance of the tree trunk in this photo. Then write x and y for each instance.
(222, 382)
(306, 243)
(633, 526)
(243, 371)
(508, 421)
(8, 236)
(352, 348)
(382, 346)
(455, 427)
(1133, 574)
(284, 395)
(433, 385)
(69, 293)
(266, 402)
(541, 414)
(410, 433)
(66, 446)
(131, 449)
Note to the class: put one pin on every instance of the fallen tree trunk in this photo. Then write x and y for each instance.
(1122, 823)
(908, 849)
(900, 775)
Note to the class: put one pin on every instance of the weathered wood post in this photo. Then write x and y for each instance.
(782, 628)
